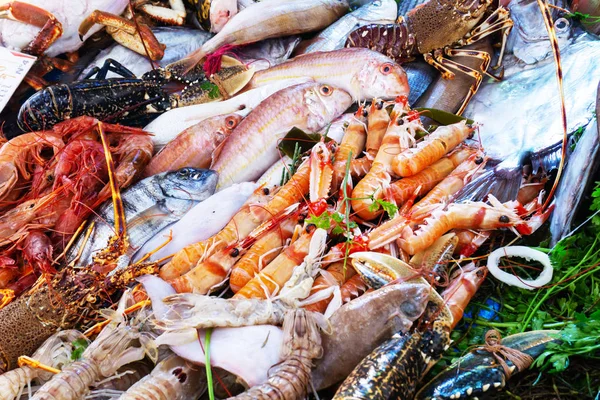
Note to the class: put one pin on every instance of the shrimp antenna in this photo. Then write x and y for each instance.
(559, 76)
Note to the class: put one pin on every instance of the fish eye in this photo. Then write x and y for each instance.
(504, 219)
(385, 68)
(325, 90)
(184, 173)
(230, 122)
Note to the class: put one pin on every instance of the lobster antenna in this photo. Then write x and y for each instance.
(559, 76)
(120, 225)
(139, 32)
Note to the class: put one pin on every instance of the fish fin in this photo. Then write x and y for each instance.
(547, 158)
(216, 152)
(501, 182)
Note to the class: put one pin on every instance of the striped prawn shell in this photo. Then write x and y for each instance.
(171, 379)
(13, 382)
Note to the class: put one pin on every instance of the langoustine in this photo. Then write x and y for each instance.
(119, 343)
(172, 379)
(56, 352)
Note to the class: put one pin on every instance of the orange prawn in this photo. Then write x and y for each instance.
(352, 145)
(398, 137)
(426, 179)
(272, 278)
(431, 149)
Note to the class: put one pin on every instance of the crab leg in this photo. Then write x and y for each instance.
(51, 28)
(126, 33)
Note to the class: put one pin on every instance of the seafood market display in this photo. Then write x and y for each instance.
(317, 199)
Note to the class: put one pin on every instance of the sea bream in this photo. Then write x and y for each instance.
(150, 205)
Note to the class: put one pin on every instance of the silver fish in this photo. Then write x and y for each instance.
(420, 77)
(149, 205)
(520, 116)
(179, 41)
(528, 40)
(334, 37)
(582, 165)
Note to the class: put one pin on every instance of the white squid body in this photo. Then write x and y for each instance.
(206, 219)
(248, 352)
(16, 35)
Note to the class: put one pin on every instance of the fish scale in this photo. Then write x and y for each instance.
(363, 73)
(252, 147)
(149, 206)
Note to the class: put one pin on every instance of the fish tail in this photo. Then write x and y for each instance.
(501, 182)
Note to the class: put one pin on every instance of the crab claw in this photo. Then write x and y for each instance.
(378, 269)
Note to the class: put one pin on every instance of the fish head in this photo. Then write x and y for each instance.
(324, 103)
(189, 183)
(528, 40)
(380, 77)
(228, 123)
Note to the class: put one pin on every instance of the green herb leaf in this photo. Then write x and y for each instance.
(79, 347)
(305, 141)
(443, 117)
(323, 221)
(390, 208)
(212, 89)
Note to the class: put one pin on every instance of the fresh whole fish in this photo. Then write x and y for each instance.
(168, 125)
(252, 147)
(194, 147)
(179, 41)
(380, 314)
(334, 36)
(270, 19)
(363, 73)
(200, 223)
(149, 206)
(527, 129)
(247, 352)
(528, 40)
(420, 78)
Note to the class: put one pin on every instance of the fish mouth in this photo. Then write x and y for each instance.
(191, 183)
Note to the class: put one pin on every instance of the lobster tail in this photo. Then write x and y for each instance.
(393, 40)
